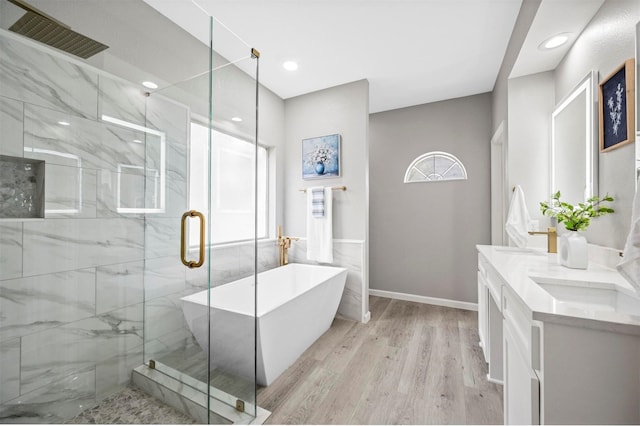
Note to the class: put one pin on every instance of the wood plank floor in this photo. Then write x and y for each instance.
(411, 364)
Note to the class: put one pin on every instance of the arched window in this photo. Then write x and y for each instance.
(434, 166)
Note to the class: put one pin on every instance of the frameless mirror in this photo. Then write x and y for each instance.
(574, 151)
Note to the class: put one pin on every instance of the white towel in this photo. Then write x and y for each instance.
(629, 266)
(317, 200)
(518, 219)
(320, 229)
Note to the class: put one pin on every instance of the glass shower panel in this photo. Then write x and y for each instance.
(189, 334)
(235, 224)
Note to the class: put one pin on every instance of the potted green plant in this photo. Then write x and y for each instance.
(572, 247)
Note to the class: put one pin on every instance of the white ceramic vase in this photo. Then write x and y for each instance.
(572, 250)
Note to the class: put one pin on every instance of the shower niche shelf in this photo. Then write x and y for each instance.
(21, 188)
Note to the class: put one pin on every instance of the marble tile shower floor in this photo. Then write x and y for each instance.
(131, 406)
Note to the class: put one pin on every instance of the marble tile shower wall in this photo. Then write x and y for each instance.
(71, 292)
(86, 290)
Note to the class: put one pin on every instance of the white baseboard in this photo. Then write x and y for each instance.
(423, 299)
(497, 382)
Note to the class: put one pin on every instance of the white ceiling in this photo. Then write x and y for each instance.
(411, 51)
(553, 17)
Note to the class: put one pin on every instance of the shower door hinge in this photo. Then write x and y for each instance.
(254, 53)
(240, 405)
(152, 364)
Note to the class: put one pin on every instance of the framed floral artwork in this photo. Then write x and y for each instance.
(616, 109)
(321, 157)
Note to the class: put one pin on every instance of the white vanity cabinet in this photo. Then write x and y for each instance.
(564, 373)
(562, 363)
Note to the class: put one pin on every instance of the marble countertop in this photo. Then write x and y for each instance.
(519, 270)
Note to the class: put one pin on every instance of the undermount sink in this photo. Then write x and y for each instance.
(518, 250)
(594, 296)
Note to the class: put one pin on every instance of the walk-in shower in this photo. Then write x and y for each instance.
(90, 293)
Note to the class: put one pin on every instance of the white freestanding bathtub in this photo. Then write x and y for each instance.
(296, 304)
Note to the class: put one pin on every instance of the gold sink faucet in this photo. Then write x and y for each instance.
(552, 238)
(284, 243)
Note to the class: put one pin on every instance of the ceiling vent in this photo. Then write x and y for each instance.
(40, 27)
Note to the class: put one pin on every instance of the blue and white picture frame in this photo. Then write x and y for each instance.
(616, 109)
(321, 157)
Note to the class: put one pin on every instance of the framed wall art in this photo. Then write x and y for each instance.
(321, 157)
(616, 108)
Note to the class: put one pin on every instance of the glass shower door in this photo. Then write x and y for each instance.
(200, 231)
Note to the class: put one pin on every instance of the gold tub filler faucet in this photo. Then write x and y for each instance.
(284, 243)
(552, 238)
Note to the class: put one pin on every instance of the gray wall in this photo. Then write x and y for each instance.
(342, 109)
(531, 102)
(423, 235)
(605, 43)
(499, 114)
(345, 110)
(521, 28)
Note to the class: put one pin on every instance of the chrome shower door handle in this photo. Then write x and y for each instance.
(183, 245)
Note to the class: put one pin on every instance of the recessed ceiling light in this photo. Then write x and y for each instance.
(290, 65)
(149, 85)
(64, 123)
(236, 119)
(555, 41)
